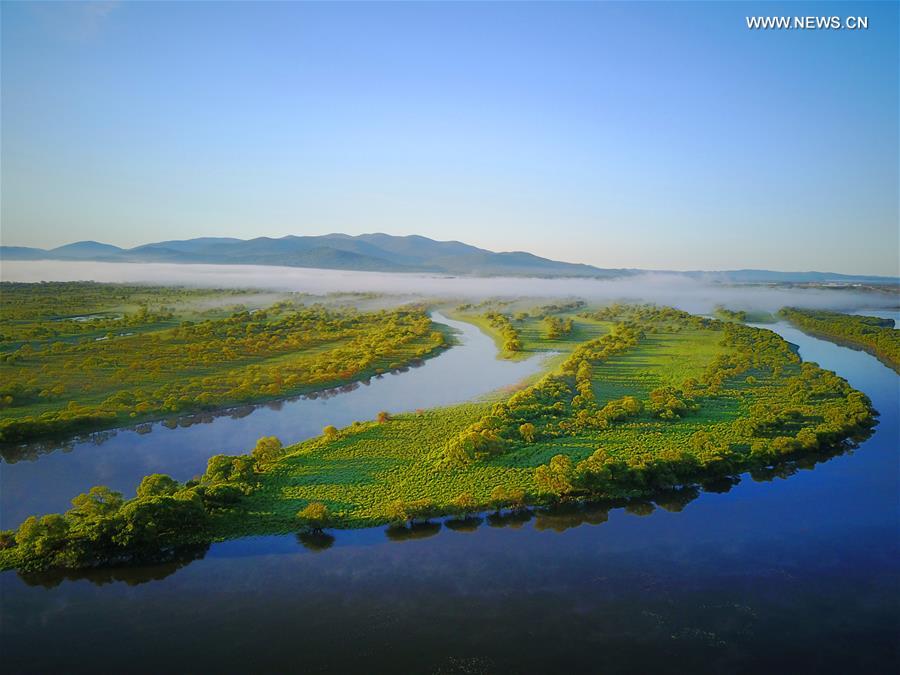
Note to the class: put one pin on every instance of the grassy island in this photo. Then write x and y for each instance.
(78, 357)
(868, 333)
(641, 401)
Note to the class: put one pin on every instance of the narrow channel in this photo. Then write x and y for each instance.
(44, 477)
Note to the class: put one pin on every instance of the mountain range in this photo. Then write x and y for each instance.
(382, 253)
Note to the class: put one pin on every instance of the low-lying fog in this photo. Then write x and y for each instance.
(687, 294)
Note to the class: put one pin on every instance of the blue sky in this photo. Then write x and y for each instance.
(664, 136)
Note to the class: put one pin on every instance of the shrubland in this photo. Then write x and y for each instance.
(872, 334)
(128, 360)
(642, 401)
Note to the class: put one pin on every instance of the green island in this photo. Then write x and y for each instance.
(869, 333)
(639, 402)
(80, 357)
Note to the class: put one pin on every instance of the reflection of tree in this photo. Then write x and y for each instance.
(414, 531)
(468, 524)
(315, 540)
(721, 485)
(676, 499)
(564, 517)
(32, 451)
(788, 467)
(166, 564)
(640, 507)
(514, 519)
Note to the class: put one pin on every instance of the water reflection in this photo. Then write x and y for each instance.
(175, 560)
(769, 576)
(557, 518)
(316, 540)
(422, 530)
(468, 524)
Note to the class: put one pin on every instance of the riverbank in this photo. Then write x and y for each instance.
(660, 400)
(873, 335)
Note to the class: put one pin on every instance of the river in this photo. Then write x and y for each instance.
(797, 573)
(43, 477)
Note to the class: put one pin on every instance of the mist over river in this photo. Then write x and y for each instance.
(692, 295)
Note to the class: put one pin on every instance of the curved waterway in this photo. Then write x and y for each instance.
(43, 477)
(791, 571)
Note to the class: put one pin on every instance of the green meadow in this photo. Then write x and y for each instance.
(637, 402)
(78, 357)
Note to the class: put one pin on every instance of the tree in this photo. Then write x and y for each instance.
(397, 512)
(97, 502)
(314, 516)
(464, 504)
(526, 431)
(513, 498)
(267, 450)
(516, 498)
(556, 478)
(157, 521)
(157, 485)
(229, 468)
(594, 472)
(39, 538)
(499, 498)
(7, 539)
(330, 432)
(221, 495)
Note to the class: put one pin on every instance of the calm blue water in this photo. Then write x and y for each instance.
(797, 574)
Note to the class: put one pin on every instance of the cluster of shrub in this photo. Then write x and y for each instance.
(730, 314)
(501, 322)
(564, 404)
(557, 327)
(104, 367)
(765, 438)
(104, 528)
(870, 333)
(794, 422)
(675, 319)
(402, 513)
(558, 404)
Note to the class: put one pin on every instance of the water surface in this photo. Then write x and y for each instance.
(797, 574)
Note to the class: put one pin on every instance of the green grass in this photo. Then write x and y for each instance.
(189, 351)
(370, 465)
(755, 403)
(661, 359)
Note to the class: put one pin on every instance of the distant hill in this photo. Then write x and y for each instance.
(383, 253)
(87, 250)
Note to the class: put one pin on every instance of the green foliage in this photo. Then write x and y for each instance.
(557, 327)
(314, 516)
(268, 449)
(114, 365)
(557, 477)
(501, 322)
(597, 425)
(464, 504)
(526, 431)
(157, 485)
(7, 539)
(872, 334)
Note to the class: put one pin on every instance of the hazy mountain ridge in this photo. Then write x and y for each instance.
(385, 253)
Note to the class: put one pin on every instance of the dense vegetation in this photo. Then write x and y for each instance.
(869, 333)
(646, 402)
(76, 357)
